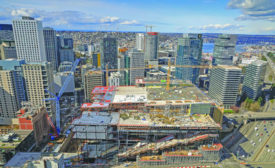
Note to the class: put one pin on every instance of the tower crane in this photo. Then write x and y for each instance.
(61, 91)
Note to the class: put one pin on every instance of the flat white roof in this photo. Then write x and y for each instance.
(130, 94)
(97, 118)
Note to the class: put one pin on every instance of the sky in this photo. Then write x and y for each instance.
(177, 16)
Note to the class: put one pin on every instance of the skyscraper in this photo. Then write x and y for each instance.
(224, 49)
(151, 46)
(137, 65)
(7, 45)
(108, 50)
(92, 79)
(254, 79)
(15, 66)
(38, 77)
(124, 65)
(6, 32)
(140, 41)
(65, 49)
(12, 87)
(7, 50)
(29, 39)
(9, 103)
(224, 84)
(189, 53)
(51, 46)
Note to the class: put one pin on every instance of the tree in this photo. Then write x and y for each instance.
(260, 100)
(255, 106)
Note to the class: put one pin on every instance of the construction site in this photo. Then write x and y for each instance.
(149, 125)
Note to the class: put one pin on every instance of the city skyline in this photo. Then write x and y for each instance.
(205, 16)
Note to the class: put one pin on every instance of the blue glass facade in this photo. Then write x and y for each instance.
(189, 53)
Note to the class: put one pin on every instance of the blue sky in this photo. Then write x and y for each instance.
(221, 16)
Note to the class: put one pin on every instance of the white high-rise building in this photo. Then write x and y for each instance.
(38, 77)
(224, 84)
(140, 41)
(29, 39)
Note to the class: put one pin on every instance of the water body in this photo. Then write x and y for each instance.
(209, 48)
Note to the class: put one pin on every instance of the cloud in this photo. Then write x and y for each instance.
(131, 23)
(269, 29)
(22, 12)
(217, 27)
(67, 18)
(109, 19)
(254, 9)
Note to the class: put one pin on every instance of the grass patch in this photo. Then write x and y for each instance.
(229, 111)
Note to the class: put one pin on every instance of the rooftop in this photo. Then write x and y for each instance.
(259, 62)
(160, 120)
(176, 92)
(229, 67)
(130, 94)
(97, 118)
(21, 158)
(18, 137)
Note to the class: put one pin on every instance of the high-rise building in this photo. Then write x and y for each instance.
(137, 65)
(65, 66)
(224, 84)
(96, 59)
(9, 103)
(108, 52)
(151, 46)
(66, 54)
(124, 65)
(50, 41)
(29, 39)
(114, 79)
(189, 53)
(65, 49)
(38, 77)
(91, 49)
(84, 69)
(92, 79)
(15, 66)
(254, 79)
(140, 41)
(6, 32)
(224, 49)
(68, 41)
(7, 50)
(7, 45)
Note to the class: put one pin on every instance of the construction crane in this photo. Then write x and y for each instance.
(153, 66)
(61, 91)
(149, 26)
